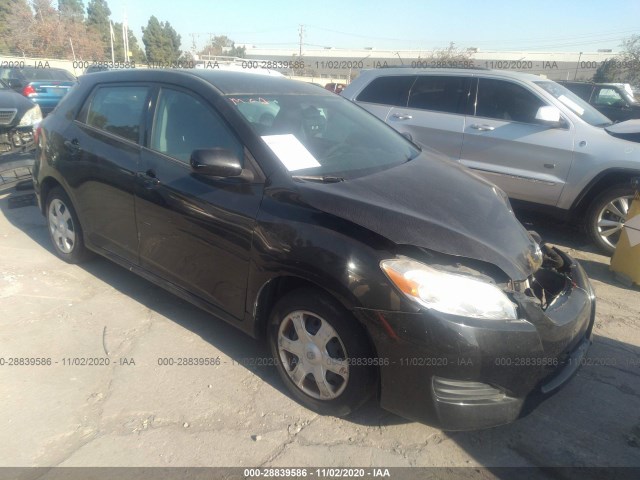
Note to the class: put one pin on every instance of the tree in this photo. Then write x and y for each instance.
(630, 60)
(137, 55)
(71, 9)
(608, 71)
(17, 27)
(222, 45)
(98, 13)
(9, 9)
(450, 54)
(161, 42)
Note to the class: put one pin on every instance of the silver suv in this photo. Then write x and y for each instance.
(539, 142)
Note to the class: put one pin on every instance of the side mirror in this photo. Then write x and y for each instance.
(548, 114)
(216, 162)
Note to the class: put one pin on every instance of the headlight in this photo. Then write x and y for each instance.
(448, 292)
(32, 117)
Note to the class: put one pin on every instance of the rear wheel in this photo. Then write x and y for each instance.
(322, 353)
(64, 228)
(606, 216)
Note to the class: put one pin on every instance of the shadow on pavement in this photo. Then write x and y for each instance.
(232, 342)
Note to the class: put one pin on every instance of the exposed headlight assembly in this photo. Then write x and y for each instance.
(33, 116)
(449, 292)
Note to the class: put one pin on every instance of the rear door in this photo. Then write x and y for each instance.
(504, 142)
(195, 230)
(102, 152)
(435, 112)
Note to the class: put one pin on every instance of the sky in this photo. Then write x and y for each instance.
(540, 25)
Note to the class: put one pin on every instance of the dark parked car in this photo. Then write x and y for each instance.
(43, 86)
(370, 266)
(18, 117)
(615, 100)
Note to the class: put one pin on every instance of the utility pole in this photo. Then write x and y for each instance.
(577, 65)
(300, 34)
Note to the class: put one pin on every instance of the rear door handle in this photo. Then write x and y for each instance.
(72, 145)
(482, 128)
(402, 116)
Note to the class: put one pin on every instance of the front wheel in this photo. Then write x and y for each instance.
(606, 216)
(321, 352)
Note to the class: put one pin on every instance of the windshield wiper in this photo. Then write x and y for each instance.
(318, 178)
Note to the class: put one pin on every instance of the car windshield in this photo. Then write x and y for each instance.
(324, 136)
(577, 105)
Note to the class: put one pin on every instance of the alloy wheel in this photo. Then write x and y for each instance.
(611, 219)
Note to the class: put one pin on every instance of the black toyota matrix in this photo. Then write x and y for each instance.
(370, 266)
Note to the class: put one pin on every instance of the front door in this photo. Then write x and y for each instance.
(505, 143)
(195, 230)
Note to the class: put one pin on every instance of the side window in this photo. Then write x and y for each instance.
(608, 97)
(504, 100)
(439, 93)
(392, 90)
(118, 110)
(183, 124)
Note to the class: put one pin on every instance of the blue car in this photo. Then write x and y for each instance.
(43, 86)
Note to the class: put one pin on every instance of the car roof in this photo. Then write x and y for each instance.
(228, 82)
(453, 71)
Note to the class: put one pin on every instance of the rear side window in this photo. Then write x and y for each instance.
(440, 93)
(118, 110)
(388, 91)
(504, 100)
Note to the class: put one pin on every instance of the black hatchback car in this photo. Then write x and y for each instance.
(370, 266)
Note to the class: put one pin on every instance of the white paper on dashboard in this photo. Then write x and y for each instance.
(292, 153)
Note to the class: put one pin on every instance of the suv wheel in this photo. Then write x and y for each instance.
(64, 228)
(321, 353)
(606, 216)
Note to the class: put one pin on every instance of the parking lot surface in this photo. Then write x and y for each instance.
(111, 398)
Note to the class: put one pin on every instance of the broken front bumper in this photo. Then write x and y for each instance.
(461, 373)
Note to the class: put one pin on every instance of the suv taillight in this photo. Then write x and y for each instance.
(28, 90)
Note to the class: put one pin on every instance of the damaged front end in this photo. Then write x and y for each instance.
(16, 140)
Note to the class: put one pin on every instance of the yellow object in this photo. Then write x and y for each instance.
(626, 259)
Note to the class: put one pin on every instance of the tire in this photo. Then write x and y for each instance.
(341, 391)
(606, 216)
(64, 228)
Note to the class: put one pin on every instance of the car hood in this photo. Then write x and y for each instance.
(434, 204)
(628, 130)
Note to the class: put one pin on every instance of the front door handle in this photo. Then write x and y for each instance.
(149, 179)
(402, 116)
(482, 128)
